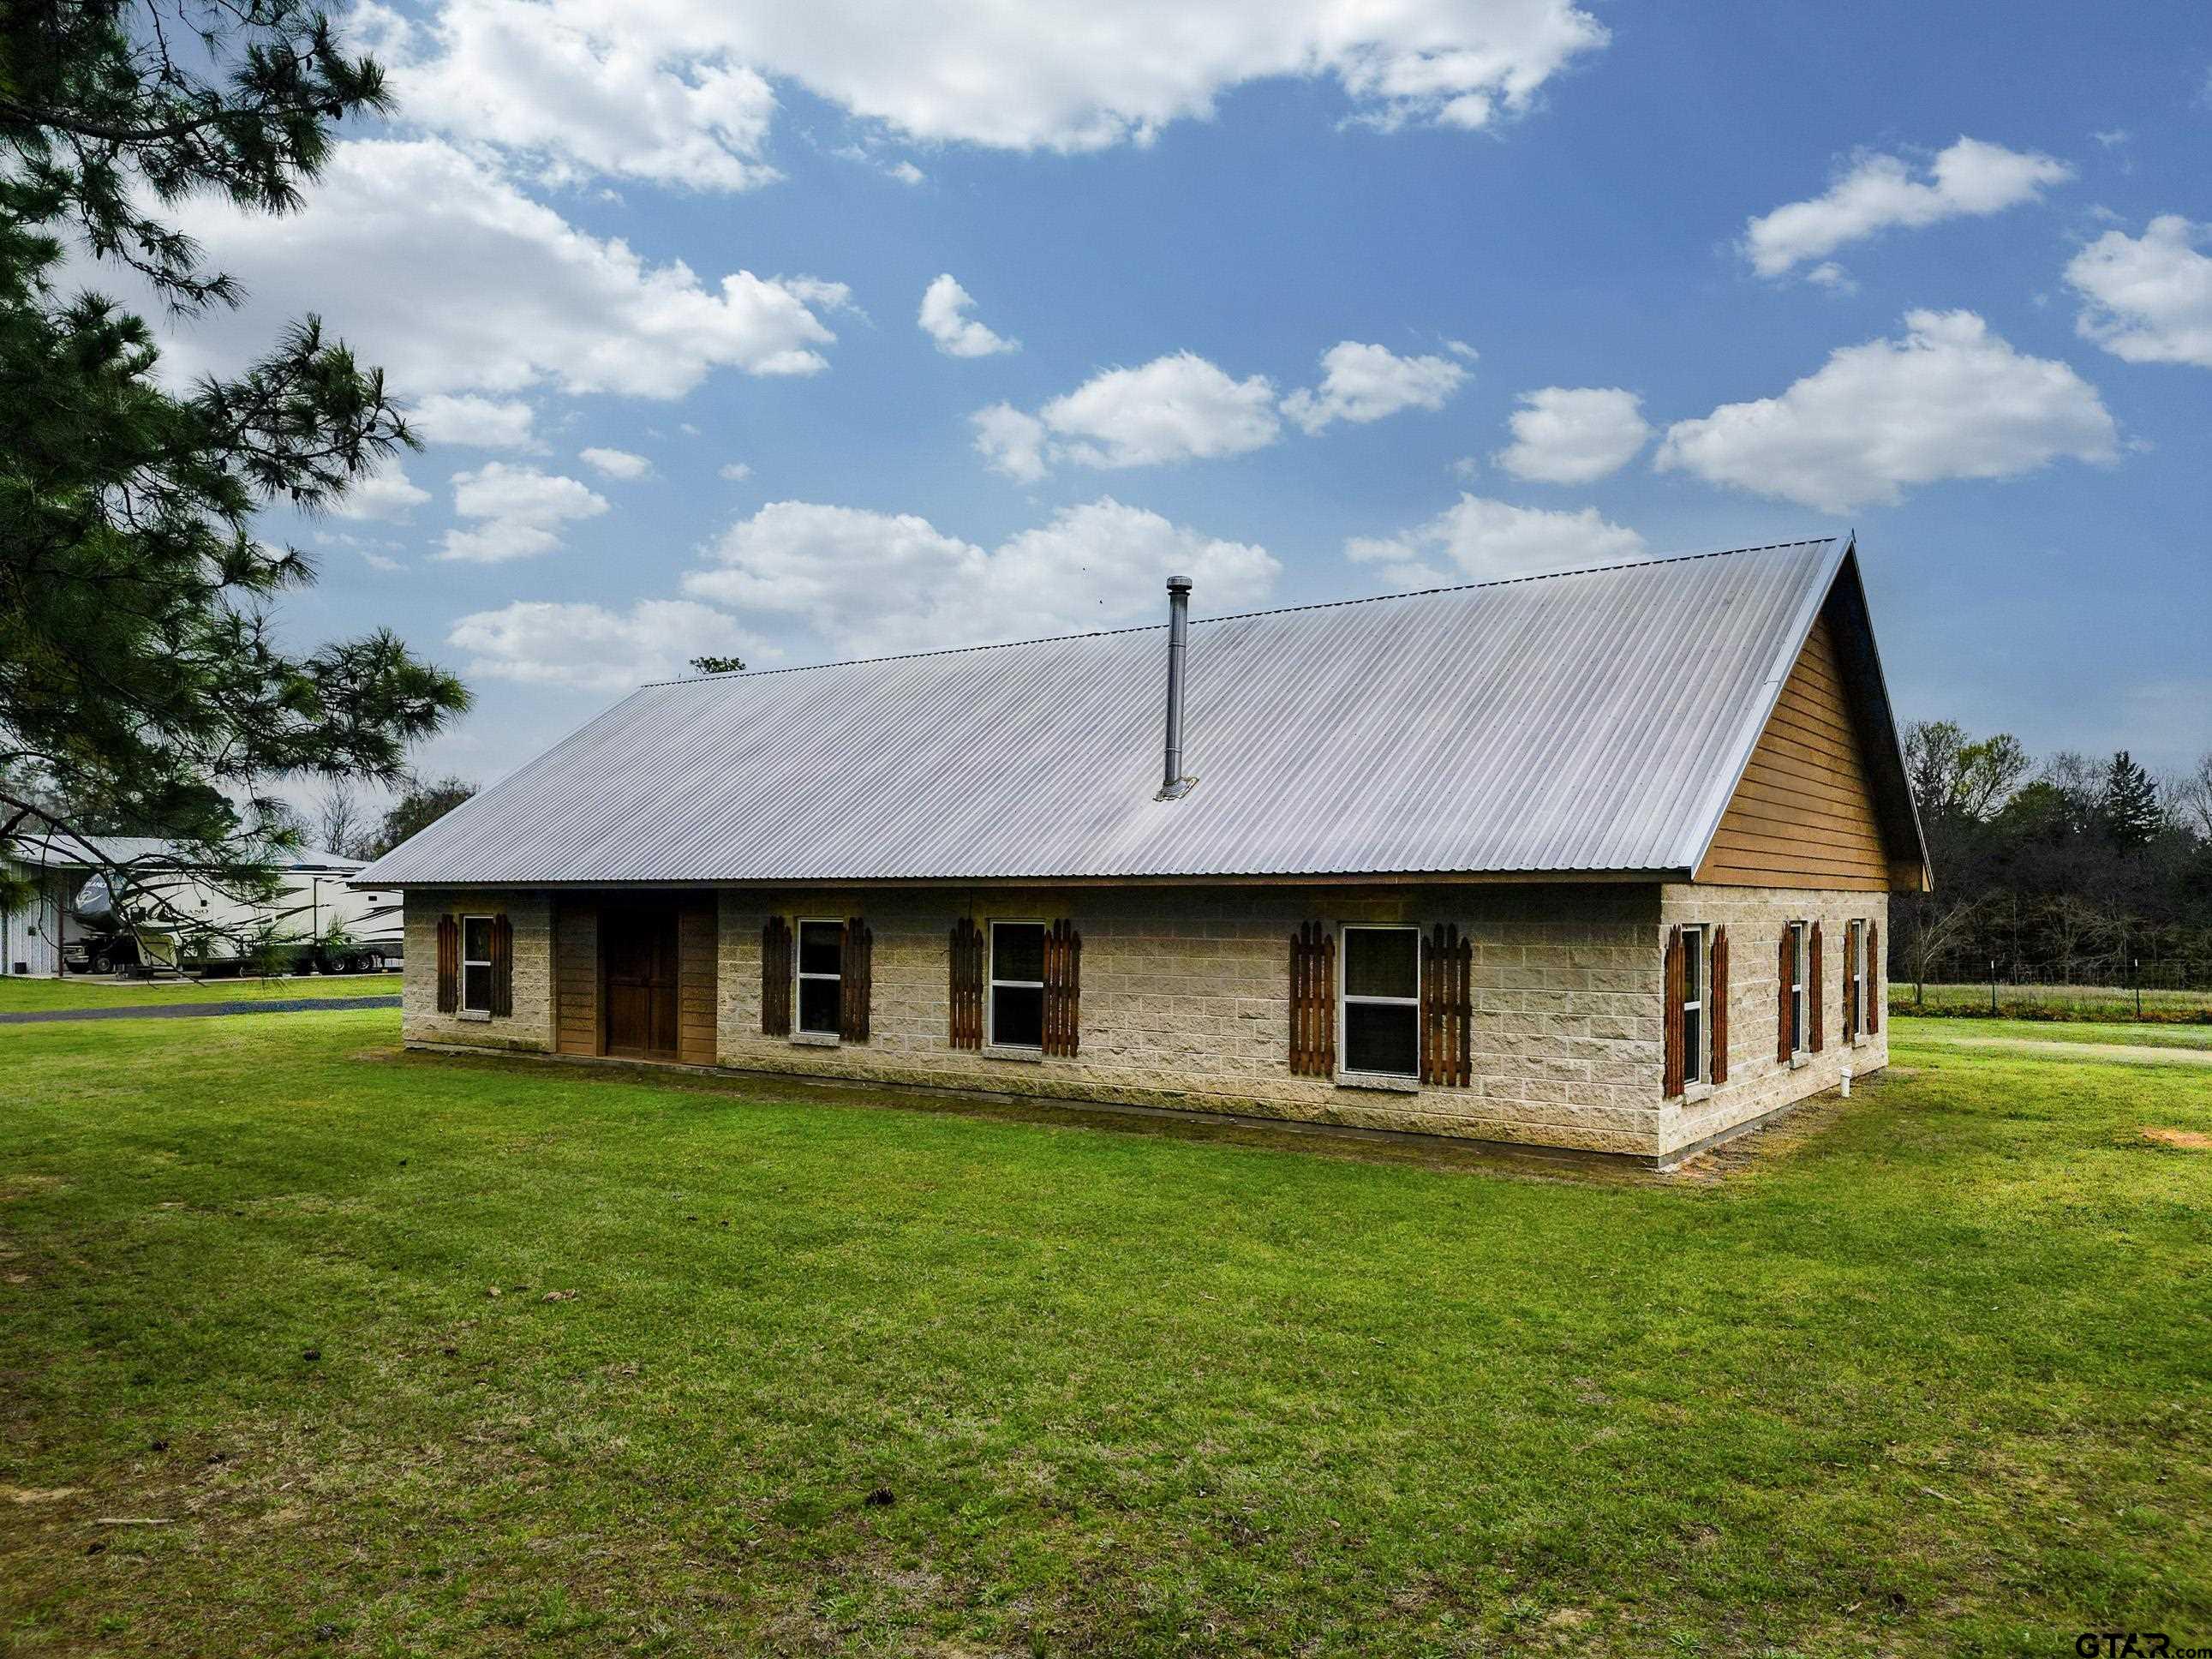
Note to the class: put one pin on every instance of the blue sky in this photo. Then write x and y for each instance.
(1524, 208)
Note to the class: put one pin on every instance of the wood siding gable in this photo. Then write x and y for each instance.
(1804, 814)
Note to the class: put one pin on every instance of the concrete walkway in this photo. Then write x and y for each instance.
(194, 1010)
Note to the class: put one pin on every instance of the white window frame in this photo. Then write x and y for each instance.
(800, 975)
(1345, 999)
(467, 1009)
(992, 982)
(1801, 995)
(1697, 994)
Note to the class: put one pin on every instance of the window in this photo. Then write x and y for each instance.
(476, 964)
(1800, 947)
(1382, 1015)
(821, 964)
(1017, 1001)
(1696, 977)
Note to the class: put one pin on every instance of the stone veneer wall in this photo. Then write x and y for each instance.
(530, 1026)
(1185, 1003)
(1759, 1083)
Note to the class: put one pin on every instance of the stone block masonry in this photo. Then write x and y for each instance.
(1759, 1083)
(529, 1028)
(1185, 1001)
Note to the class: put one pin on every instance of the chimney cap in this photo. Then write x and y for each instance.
(1178, 584)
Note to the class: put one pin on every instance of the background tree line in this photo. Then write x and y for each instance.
(2068, 868)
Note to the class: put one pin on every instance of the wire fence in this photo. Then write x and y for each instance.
(2167, 990)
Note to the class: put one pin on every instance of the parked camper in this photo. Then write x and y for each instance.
(176, 919)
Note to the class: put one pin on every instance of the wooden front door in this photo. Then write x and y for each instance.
(638, 948)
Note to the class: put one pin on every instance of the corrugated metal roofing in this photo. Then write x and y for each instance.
(1593, 720)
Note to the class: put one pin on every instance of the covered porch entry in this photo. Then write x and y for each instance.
(633, 973)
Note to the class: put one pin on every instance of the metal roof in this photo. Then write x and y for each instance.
(1589, 721)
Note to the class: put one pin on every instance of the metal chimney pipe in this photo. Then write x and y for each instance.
(1173, 782)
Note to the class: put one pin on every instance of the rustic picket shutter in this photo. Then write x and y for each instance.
(1813, 991)
(449, 965)
(776, 977)
(1716, 1013)
(1063, 988)
(1785, 965)
(1447, 1007)
(967, 984)
(1312, 1002)
(1671, 1083)
(1854, 937)
(502, 966)
(855, 965)
(1874, 998)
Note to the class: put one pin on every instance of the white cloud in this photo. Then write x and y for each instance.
(1175, 408)
(943, 305)
(1367, 382)
(519, 513)
(593, 648)
(735, 471)
(1878, 194)
(567, 88)
(1950, 400)
(2149, 298)
(385, 492)
(480, 423)
(677, 91)
(1482, 540)
(905, 173)
(432, 265)
(1010, 442)
(868, 583)
(1574, 436)
(381, 562)
(618, 464)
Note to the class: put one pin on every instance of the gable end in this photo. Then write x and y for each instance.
(1804, 813)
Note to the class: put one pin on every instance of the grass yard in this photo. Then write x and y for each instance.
(26, 995)
(2126, 1035)
(423, 1356)
(2049, 1002)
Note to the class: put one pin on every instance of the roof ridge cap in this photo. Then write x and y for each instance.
(1242, 616)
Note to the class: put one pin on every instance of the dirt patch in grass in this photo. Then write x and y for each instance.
(2192, 1141)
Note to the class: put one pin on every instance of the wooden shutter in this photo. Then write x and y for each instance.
(1447, 1007)
(1813, 991)
(449, 965)
(967, 986)
(1671, 1083)
(1785, 967)
(855, 962)
(1874, 965)
(1063, 988)
(1852, 971)
(776, 977)
(502, 966)
(1312, 1002)
(1716, 1009)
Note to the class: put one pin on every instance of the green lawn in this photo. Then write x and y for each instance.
(2149, 1034)
(2049, 1002)
(23, 995)
(1927, 1372)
